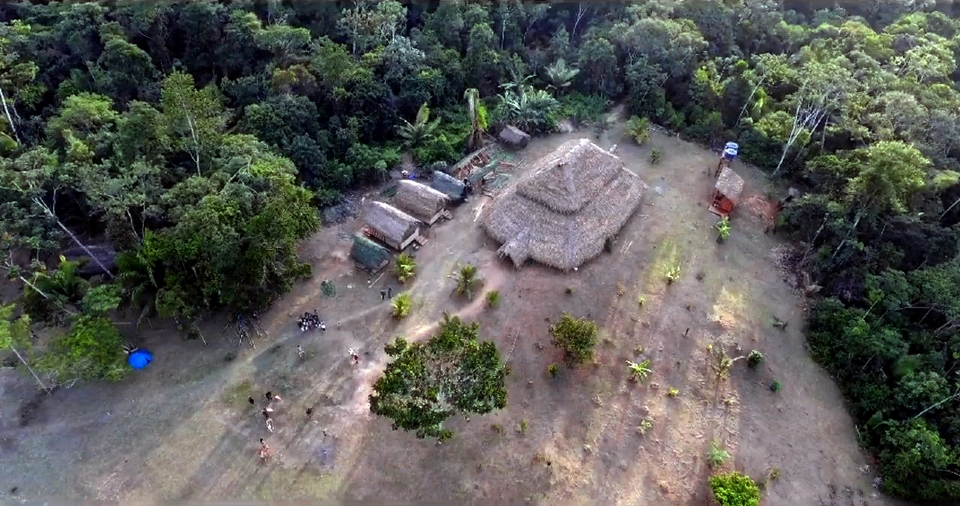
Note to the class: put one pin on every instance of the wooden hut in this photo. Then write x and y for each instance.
(420, 201)
(449, 186)
(565, 208)
(394, 227)
(368, 255)
(726, 193)
(514, 137)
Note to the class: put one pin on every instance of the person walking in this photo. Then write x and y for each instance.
(264, 450)
(270, 425)
(300, 352)
(383, 294)
(389, 292)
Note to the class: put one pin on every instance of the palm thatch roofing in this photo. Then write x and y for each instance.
(514, 136)
(421, 201)
(448, 185)
(730, 184)
(391, 223)
(369, 255)
(565, 207)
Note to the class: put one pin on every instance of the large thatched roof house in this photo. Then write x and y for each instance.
(562, 211)
(392, 226)
(420, 201)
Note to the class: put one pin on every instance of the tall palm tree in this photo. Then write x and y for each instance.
(559, 75)
(420, 131)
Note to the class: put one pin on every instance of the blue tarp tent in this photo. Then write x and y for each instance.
(730, 150)
(140, 359)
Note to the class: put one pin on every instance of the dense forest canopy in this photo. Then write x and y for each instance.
(185, 148)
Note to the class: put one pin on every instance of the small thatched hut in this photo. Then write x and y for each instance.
(727, 192)
(421, 201)
(368, 255)
(513, 136)
(449, 186)
(565, 208)
(394, 227)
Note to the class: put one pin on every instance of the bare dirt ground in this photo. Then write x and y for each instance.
(182, 429)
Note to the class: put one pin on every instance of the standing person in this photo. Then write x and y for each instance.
(300, 352)
(389, 292)
(383, 294)
(264, 450)
(270, 425)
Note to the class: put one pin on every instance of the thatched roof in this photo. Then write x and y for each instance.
(390, 222)
(730, 184)
(513, 135)
(566, 179)
(421, 201)
(536, 223)
(369, 255)
(448, 185)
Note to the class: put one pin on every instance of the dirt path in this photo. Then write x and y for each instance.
(182, 429)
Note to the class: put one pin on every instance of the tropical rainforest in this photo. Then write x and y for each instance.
(184, 149)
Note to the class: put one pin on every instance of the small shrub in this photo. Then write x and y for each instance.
(754, 359)
(700, 275)
(621, 289)
(401, 305)
(773, 474)
(673, 392)
(655, 156)
(553, 370)
(721, 361)
(493, 298)
(775, 386)
(523, 426)
(673, 273)
(576, 337)
(639, 371)
(638, 129)
(639, 349)
(568, 290)
(723, 229)
(735, 489)
(496, 427)
(645, 425)
(717, 455)
(404, 267)
(641, 300)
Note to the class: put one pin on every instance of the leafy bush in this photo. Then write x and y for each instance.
(723, 229)
(655, 155)
(553, 370)
(735, 489)
(576, 337)
(92, 350)
(673, 273)
(583, 108)
(639, 371)
(638, 129)
(754, 359)
(404, 267)
(717, 455)
(493, 298)
(401, 305)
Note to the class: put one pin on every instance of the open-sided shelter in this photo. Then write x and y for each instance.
(368, 255)
(564, 209)
(394, 227)
(727, 192)
(420, 201)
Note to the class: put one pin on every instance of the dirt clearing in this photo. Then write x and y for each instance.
(182, 429)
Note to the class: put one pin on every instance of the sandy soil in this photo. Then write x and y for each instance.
(182, 429)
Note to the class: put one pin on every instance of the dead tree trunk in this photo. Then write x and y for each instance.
(76, 240)
(6, 110)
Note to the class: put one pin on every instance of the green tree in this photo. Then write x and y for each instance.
(92, 350)
(428, 382)
(15, 334)
(576, 338)
(598, 67)
(195, 117)
(420, 131)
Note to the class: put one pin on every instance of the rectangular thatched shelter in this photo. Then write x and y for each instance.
(420, 201)
(368, 255)
(564, 209)
(726, 192)
(394, 227)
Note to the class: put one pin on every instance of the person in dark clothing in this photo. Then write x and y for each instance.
(389, 292)
(251, 401)
(269, 396)
(383, 294)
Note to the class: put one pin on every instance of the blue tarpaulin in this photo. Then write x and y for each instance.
(140, 359)
(730, 150)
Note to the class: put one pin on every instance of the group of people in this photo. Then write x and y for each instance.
(311, 321)
(268, 408)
